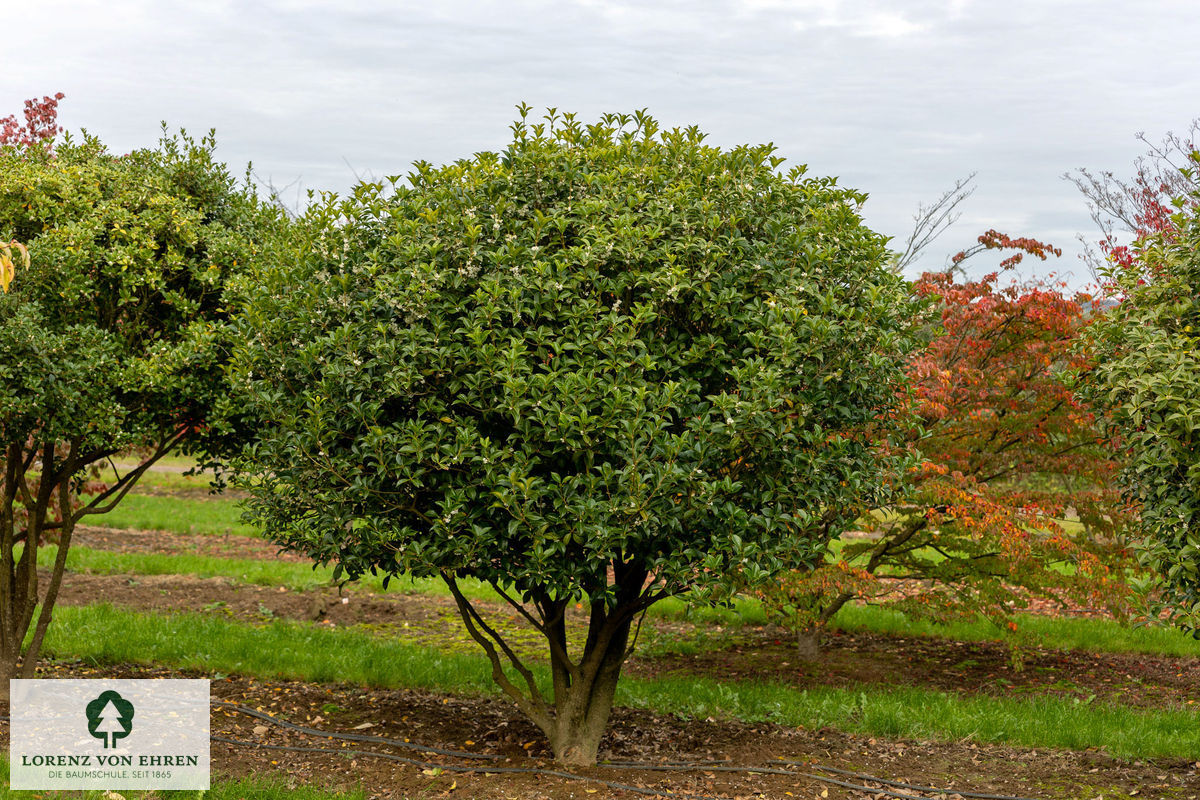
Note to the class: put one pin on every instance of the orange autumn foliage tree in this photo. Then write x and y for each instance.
(1013, 498)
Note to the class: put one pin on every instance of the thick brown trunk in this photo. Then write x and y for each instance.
(575, 719)
(808, 643)
(581, 716)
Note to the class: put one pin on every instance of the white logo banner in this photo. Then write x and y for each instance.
(108, 734)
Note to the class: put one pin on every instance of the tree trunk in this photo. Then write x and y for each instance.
(808, 643)
(18, 575)
(34, 651)
(581, 714)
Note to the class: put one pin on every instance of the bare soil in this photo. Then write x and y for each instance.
(216, 545)
(490, 726)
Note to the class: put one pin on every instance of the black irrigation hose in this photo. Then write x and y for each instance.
(674, 764)
(975, 795)
(571, 776)
(860, 775)
(677, 766)
(460, 769)
(352, 737)
(778, 771)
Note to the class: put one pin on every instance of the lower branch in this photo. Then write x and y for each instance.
(534, 705)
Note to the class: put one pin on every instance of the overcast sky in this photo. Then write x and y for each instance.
(898, 98)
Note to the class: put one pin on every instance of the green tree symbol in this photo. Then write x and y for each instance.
(110, 717)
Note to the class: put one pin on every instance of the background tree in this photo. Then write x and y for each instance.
(40, 127)
(112, 337)
(1128, 210)
(1148, 370)
(605, 366)
(1014, 499)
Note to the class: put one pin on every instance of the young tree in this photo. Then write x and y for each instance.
(1008, 452)
(112, 337)
(603, 367)
(1148, 348)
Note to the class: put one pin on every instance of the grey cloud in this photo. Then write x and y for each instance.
(897, 98)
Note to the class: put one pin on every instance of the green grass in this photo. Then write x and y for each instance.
(175, 514)
(294, 575)
(241, 789)
(1062, 633)
(281, 650)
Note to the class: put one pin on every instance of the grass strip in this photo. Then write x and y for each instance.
(282, 650)
(240, 789)
(1062, 633)
(294, 575)
(176, 514)
(1095, 635)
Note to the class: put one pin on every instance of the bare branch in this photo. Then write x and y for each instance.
(555, 646)
(121, 488)
(931, 221)
(534, 704)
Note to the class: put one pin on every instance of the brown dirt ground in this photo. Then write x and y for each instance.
(491, 726)
(217, 545)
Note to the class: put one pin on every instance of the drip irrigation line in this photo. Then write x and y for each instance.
(745, 770)
(898, 784)
(674, 764)
(461, 769)
(571, 776)
(670, 766)
(352, 737)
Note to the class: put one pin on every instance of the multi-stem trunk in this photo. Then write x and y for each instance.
(583, 692)
(18, 571)
(575, 718)
(39, 497)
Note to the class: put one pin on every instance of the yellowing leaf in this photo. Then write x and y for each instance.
(7, 272)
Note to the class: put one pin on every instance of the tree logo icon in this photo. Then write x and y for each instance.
(110, 717)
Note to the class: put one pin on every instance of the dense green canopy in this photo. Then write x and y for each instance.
(112, 337)
(1149, 380)
(606, 345)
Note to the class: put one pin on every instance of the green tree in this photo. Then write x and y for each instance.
(608, 365)
(1147, 377)
(112, 337)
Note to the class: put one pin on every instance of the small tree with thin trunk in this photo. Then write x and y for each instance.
(112, 334)
(608, 365)
(1015, 499)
